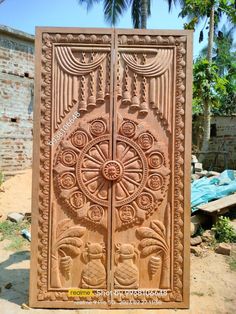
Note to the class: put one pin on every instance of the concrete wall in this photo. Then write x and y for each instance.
(16, 99)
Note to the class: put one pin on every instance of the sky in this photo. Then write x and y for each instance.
(24, 15)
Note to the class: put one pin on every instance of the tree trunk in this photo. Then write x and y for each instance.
(206, 129)
(206, 104)
(144, 13)
(211, 34)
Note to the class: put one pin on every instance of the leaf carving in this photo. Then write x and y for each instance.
(73, 232)
(62, 226)
(148, 250)
(71, 241)
(69, 249)
(149, 242)
(68, 239)
(145, 232)
(153, 239)
(158, 227)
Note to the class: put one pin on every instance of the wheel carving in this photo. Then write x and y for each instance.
(138, 174)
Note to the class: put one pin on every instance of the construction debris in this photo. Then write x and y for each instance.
(208, 189)
(25, 306)
(196, 241)
(26, 234)
(15, 217)
(208, 236)
(223, 248)
(196, 250)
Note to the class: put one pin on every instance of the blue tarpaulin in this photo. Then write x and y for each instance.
(208, 189)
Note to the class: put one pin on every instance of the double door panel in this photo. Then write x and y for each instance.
(109, 196)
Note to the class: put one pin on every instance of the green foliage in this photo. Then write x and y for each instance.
(12, 231)
(199, 10)
(207, 85)
(224, 57)
(224, 232)
(16, 244)
(232, 263)
(200, 231)
(113, 10)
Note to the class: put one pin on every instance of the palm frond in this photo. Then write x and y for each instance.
(89, 3)
(149, 8)
(113, 9)
(136, 13)
(171, 3)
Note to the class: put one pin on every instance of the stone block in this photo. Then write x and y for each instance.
(196, 241)
(15, 217)
(223, 248)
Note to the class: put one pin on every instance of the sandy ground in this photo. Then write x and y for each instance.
(213, 284)
(17, 195)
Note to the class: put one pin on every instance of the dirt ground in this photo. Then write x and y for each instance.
(213, 283)
(17, 195)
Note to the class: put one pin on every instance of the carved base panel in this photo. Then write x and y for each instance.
(111, 169)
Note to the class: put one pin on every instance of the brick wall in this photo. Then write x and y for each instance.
(223, 141)
(16, 100)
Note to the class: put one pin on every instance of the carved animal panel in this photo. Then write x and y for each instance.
(110, 194)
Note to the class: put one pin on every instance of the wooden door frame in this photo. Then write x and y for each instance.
(41, 161)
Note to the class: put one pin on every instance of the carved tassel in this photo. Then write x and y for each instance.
(135, 100)
(162, 97)
(100, 94)
(144, 106)
(158, 84)
(65, 93)
(126, 95)
(118, 83)
(92, 99)
(153, 92)
(69, 98)
(61, 95)
(83, 104)
(75, 90)
(57, 98)
(107, 92)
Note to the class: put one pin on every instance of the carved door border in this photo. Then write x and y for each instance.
(181, 42)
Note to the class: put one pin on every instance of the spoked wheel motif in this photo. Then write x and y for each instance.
(137, 176)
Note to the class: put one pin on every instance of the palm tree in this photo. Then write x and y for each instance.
(211, 11)
(113, 9)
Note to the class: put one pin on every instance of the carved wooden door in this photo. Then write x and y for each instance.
(110, 194)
